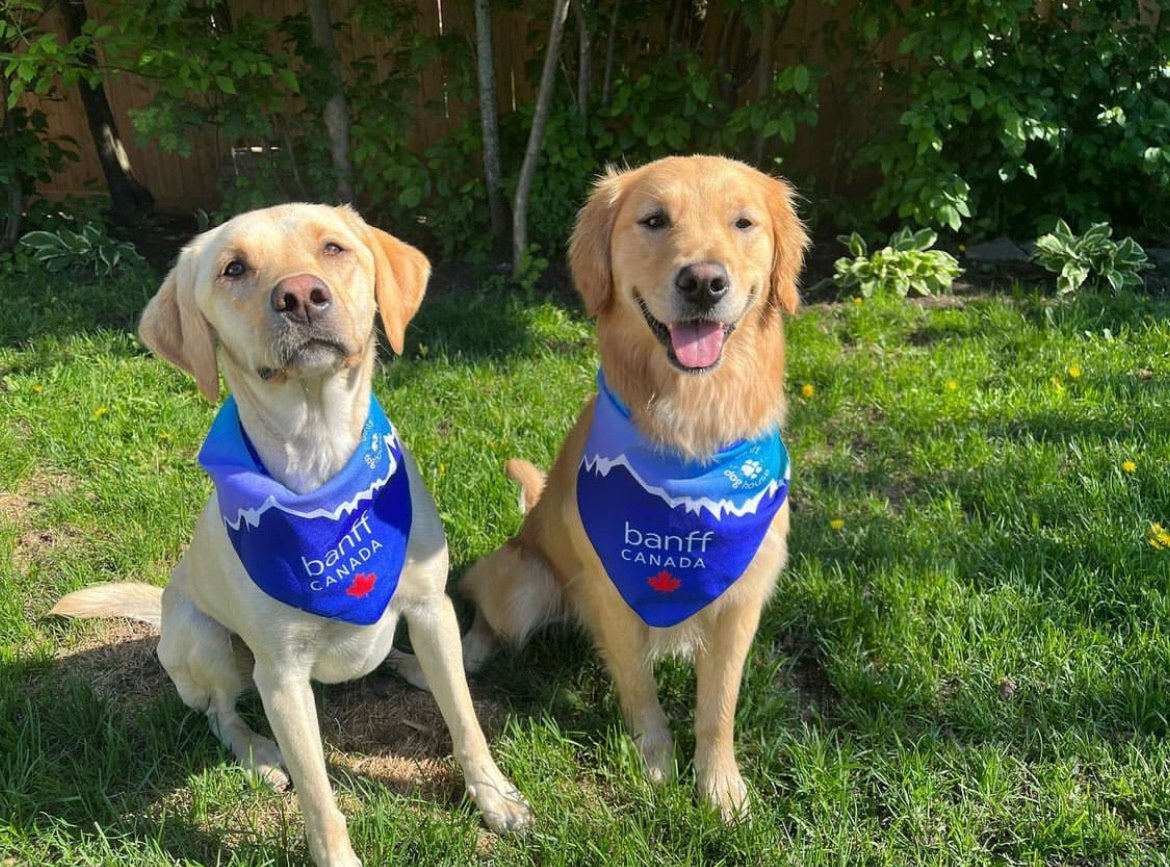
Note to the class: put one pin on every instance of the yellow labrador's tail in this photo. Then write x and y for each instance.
(530, 479)
(130, 599)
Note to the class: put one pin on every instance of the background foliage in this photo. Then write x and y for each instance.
(971, 118)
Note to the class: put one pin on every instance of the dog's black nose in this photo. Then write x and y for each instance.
(301, 298)
(703, 283)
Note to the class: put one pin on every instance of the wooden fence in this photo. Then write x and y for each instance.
(182, 184)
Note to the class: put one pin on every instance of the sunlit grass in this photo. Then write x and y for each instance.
(966, 661)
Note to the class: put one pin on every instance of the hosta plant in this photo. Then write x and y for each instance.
(1093, 258)
(89, 249)
(905, 265)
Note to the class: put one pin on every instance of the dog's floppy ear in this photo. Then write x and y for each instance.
(172, 326)
(589, 248)
(789, 241)
(400, 281)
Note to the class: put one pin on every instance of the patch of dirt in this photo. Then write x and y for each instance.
(117, 658)
(22, 507)
(160, 237)
(377, 727)
(34, 491)
(387, 730)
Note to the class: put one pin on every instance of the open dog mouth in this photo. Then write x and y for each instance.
(692, 345)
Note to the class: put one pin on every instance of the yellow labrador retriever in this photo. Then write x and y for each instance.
(321, 533)
(662, 525)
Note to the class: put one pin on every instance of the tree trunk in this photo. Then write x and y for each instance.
(610, 41)
(674, 24)
(336, 111)
(536, 134)
(584, 61)
(14, 206)
(130, 201)
(764, 71)
(731, 24)
(485, 70)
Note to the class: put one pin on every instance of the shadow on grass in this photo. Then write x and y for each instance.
(58, 305)
(1061, 650)
(461, 321)
(100, 738)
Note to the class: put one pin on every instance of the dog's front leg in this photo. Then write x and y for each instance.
(718, 674)
(292, 713)
(623, 642)
(434, 634)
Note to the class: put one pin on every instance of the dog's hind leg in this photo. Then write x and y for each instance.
(209, 667)
(514, 594)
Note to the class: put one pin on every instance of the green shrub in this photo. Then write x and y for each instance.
(906, 265)
(1093, 258)
(90, 249)
(1008, 114)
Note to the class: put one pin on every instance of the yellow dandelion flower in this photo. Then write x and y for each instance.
(837, 524)
(1074, 372)
(807, 390)
(1129, 466)
(100, 411)
(856, 299)
(164, 437)
(38, 388)
(952, 385)
(1158, 537)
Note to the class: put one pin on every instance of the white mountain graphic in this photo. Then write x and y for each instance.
(601, 466)
(251, 517)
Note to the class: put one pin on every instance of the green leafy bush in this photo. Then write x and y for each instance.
(1008, 114)
(90, 249)
(906, 265)
(1093, 258)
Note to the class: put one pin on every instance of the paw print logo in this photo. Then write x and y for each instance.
(751, 470)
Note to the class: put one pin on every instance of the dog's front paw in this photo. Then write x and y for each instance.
(504, 809)
(334, 853)
(728, 793)
(263, 760)
(657, 752)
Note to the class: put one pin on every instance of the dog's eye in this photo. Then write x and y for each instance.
(332, 249)
(235, 268)
(744, 223)
(657, 220)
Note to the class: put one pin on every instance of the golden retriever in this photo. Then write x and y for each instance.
(687, 263)
(287, 295)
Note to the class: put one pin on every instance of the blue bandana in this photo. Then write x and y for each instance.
(337, 551)
(672, 534)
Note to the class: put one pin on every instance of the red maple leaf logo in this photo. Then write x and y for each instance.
(363, 583)
(664, 582)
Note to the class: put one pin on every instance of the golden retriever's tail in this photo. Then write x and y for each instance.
(530, 480)
(129, 599)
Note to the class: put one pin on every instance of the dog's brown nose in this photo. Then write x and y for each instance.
(301, 298)
(703, 283)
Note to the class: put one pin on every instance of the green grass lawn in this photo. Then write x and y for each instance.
(965, 663)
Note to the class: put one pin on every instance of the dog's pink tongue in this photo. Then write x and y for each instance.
(696, 343)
